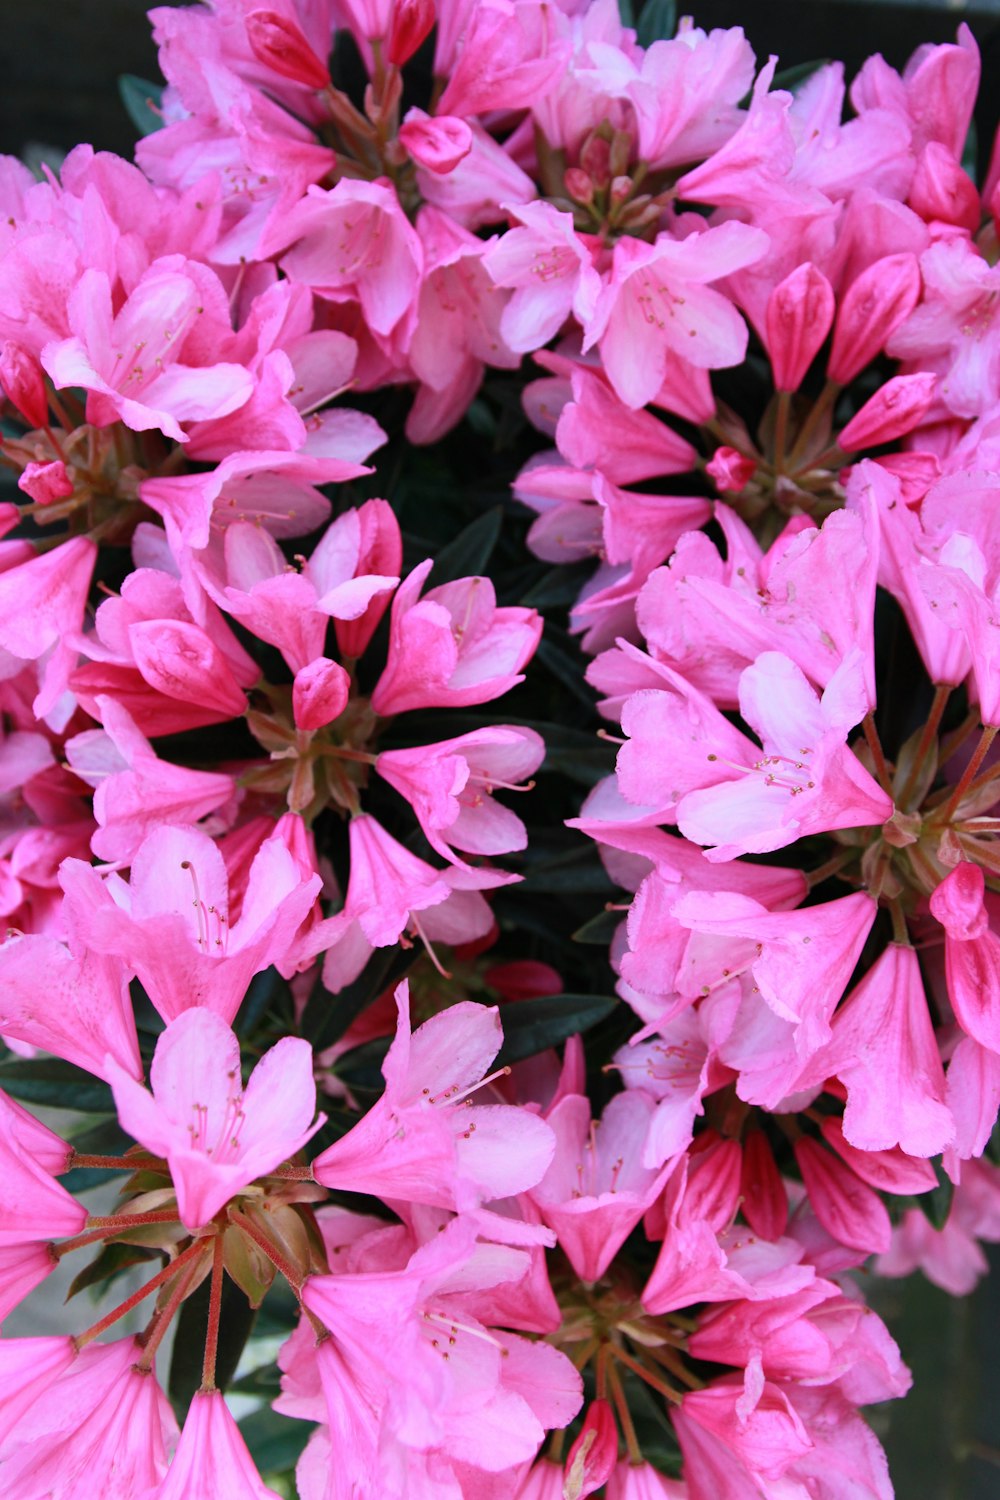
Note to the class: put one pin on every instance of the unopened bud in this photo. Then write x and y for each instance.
(578, 185)
(46, 483)
(438, 144)
(281, 46)
(899, 406)
(730, 471)
(594, 1454)
(620, 154)
(621, 189)
(872, 308)
(941, 191)
(595, 159)
(798, 318)
(319, 693)
(410, 26)
(23, 384)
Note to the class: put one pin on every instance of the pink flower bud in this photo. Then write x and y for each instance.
(730, 470)
(713, 1186)
(46, 483)
(439, 144)
(410, 25)
(881, 298)
(380, 551)
(319, 693)
(845, 1206)
(799, 315)
(941, 190)
(578, 185)
(180, 661)
(595, 160)
(899, 406)
(765, 1202)
(279, 44)
(621, 188)
(21, 378)
(594, 1454)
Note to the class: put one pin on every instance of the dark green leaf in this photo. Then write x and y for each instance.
(529, 1026)
(275, 1442)
(235, 1326)
(111, 1261)
(627, 12)
(936, 1204)
(970, 151)
(468, 554)
(599, 931)
(142, 102)
(327, 1017)
(791, 78)
(264, 1381)
(564, 660)
(49, 1080)
(578, 871)
(266, 993)
(361, 1067)
(657, 22)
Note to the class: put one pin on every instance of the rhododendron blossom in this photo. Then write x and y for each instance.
(498, 576)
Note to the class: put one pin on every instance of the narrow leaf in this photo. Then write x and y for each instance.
(468, 554)
(657, 22)
(49, 1080)
(327, 1017)
(142, 101)
(529, 1026)
(112, 1261)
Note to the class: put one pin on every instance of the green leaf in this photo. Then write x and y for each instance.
(235, 1326)
(266, 992)
(627, 13)
(110, 1262)
(936, 1204)
(61, 1085)
(657, 22)
(361, 1067)
(793, 77)
(564, 660)
(275, 1442)
(599, 931)
(471, 550)
(576, 872)
(142, 102)
(970, 151)
(327, 1017)
(529, 1026)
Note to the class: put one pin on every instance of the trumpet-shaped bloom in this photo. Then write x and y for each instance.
(217, 1136)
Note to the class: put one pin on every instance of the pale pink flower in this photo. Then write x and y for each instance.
(74, 1005)
(658, 305)
(27, 1369)
(550, 270)
(449, 786)
(453, 647)
(171, 921)
(218, 1137)
(422, 1141)
(143, 365)
(597, 1188)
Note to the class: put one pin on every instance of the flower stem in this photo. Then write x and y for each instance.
(165, 1274)
(942, 692)
(968, 775)
(214, 1313)
(658, 1384)
(116, 1163)
(624, 1415)
(878, 754)
(163, 1317)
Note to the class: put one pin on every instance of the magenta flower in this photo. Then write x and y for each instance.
(218, 1137)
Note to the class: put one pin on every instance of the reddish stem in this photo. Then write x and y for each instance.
(167, 1272)
(968, 775)
(163, 1318)
(214, 1313)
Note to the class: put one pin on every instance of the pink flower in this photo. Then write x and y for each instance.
(211, 1460)
(27, 1369)
(134, 790)
(597, 1189)
(422, 1141)
(353, 240)
(143, 365)
(453, 647)
(657, 306)
(449, 786)
(102, 1427)
(551, 271)
(171, 921)
(216, 1136)
(74, 1006)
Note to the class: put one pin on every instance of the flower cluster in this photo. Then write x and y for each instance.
(251, 736)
